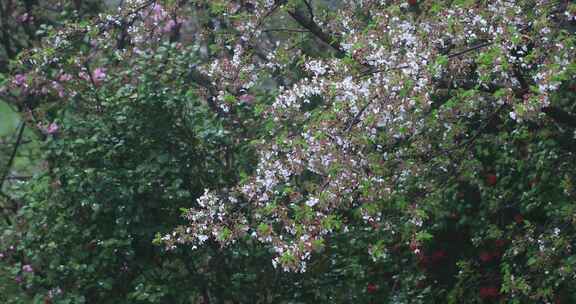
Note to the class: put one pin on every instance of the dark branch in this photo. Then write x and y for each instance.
(468, 50)
(560, 116)
(205, 82)
(285, 30)
(13, 155)
(310, 25)
(310, 10)
(356, 118)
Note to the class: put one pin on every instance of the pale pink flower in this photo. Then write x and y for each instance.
(19, 80)
(169, 26)
(64, 77)
(27, 268)
(246, 98)
(59, 88)
(84, 75)
(52, 128)
(99, 75)
(158, 13)
(24, 18)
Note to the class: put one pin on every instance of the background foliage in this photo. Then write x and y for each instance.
(287, 152)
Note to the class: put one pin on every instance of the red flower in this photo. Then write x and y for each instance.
(412, 2)
(500, 243)
(518, 218)
(438, 255)
(415, 247)
(489, 292)
(485, 257)
(558, 300)
(371, 288)
(491, 179)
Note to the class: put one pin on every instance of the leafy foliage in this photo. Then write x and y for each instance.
(299, 151)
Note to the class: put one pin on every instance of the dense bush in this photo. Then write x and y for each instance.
(354, 151)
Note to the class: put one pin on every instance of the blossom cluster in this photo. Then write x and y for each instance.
(381, 94)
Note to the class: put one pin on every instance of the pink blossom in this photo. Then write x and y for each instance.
(27, 268)
(19, 80)
(52, 128)
(64, 77)
(246, 98)
(169, 26)
(99, 75)
(24, 18)
(59, 88)
(84, 75)
(158, 13)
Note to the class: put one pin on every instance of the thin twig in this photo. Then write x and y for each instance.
(19, 178)
(473, 48)
(385, 69)
(24, 142)
(310, 10)
(356, 118)
(285, 30)
(13, 155)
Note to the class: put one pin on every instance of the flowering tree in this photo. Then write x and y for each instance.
(419, 149)
(23, 24)
(432, 125)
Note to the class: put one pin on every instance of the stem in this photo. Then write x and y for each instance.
(13, 154)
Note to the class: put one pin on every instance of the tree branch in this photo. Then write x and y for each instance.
(13, 155)
(205, 82)
(310, 25)
(468, 50)
(310, 10)
(560, 116)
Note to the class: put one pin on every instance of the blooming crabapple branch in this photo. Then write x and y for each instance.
(450, 56)
(393, 103)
